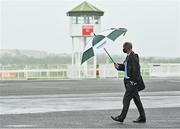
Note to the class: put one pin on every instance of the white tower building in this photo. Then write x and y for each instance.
(85, 19)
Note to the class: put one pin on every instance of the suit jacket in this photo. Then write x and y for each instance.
(133, 69)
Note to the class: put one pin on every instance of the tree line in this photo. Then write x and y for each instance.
(6, 59)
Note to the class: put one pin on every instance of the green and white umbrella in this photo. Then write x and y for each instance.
(100, 41)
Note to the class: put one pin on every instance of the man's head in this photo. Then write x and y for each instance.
(127, 47)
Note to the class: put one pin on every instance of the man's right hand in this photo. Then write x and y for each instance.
(116, 65)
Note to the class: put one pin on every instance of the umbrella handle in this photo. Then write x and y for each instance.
(109, 56)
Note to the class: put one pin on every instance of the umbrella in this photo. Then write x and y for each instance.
(100, 41)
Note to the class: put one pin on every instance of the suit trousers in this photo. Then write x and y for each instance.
(131, 93)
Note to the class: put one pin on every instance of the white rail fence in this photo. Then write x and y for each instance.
(75, 72)
(164, 70)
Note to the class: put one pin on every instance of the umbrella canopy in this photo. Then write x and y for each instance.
(100, 41)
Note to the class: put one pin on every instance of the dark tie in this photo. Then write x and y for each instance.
(126, 59)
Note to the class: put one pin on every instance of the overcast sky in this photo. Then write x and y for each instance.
(153, 25)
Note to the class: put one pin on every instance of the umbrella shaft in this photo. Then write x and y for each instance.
(109, 55)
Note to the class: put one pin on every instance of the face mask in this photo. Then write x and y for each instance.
(124, 50)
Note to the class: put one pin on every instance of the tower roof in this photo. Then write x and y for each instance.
(85, 8)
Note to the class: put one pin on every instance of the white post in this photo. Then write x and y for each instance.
(95, 62)
(40, 74)
(48, 74)
(72, 67)
(79, 59)
(85, 63)
(18, 75)
(76, 65)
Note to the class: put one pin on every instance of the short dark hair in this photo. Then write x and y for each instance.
(127, 45)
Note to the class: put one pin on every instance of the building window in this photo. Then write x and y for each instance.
(80, 20)
(85, 19)
(91, 20)
(96, 19)
(74, 20)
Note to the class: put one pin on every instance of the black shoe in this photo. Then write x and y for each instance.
(117, 119)
(140, 120)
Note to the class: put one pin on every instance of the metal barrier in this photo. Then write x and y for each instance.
(78, 72)
(164, 70)
(33, 74)
(107, 71)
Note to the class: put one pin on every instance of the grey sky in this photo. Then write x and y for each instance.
(153, 25)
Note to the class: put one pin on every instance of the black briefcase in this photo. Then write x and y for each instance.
(141, 85)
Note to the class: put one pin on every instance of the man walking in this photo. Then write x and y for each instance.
(133, 84)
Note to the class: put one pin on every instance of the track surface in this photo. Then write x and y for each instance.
(86, 104)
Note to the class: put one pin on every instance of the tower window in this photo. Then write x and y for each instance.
(74, 20)
(85, 19)
(96, 19)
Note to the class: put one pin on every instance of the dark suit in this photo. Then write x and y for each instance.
(133, 84)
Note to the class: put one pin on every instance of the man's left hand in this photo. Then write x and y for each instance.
(116, 65)
(133, 83)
